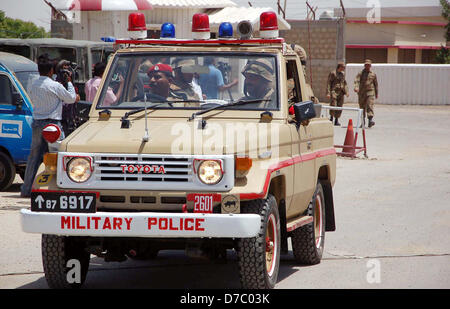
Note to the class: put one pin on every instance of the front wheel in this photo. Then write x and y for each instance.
(7, 171)
(65, 261)
(259, 257)
(308, 240)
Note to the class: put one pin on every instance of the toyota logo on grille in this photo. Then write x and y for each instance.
(146, 169)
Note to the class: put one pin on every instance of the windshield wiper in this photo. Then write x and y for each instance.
(235, 103)
(128, 114)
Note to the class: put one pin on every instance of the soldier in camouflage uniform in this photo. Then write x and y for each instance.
(336, 89)
(182, 85)
(290, 82)
(366, 85)
(258, 84)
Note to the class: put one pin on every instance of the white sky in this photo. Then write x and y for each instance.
(39, 13)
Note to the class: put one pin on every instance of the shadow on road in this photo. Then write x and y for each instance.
(170, 270)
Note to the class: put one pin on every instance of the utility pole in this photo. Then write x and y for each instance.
(282, 10)
(343, 8)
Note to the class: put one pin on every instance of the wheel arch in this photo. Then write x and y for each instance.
(277, 188)
(325, 179)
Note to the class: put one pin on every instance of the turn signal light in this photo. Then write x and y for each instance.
(243, 164)
(51, 133)
(50, 160)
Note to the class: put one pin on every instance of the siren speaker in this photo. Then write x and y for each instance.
(245, 29)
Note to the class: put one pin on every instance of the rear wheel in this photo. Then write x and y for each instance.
(7, 171)
(308, 240)
(65, 261)
(259, 257)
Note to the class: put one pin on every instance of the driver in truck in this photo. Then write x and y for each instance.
(259, 76)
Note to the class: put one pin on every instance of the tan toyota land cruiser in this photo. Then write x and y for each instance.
(174, 158)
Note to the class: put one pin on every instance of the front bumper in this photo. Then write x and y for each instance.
(142, 224)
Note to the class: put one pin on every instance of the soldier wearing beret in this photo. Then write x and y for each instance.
(336, 89)
(366, 85)
(258, 82)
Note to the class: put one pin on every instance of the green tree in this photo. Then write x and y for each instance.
(16, 28)
(446, 14)
(443, 54)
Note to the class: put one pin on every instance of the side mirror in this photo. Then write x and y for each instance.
(17, 100)
(304, 111)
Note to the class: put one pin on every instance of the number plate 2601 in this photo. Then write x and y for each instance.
(63, 202)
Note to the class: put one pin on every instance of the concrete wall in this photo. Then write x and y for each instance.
(61, 29)
(324, 45)
(420, 84)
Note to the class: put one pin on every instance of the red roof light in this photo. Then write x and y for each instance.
(200, 23)
(268, 21)
(136, 22)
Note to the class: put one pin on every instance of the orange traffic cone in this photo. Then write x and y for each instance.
(349, 147)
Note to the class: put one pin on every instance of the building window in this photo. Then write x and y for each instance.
(429, 56)
(358, 55)
(406, 56)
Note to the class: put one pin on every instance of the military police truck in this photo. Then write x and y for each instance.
(165, 164)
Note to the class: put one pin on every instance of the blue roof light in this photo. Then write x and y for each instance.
(167, 31)
(225, 30)
(108, 39)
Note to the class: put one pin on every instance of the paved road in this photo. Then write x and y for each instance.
(392, 213)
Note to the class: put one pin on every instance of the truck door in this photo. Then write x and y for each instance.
(302, 151)
(15, 121)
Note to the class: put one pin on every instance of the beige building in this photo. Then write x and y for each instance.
(399, 35)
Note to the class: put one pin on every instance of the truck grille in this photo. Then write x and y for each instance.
(115, 168)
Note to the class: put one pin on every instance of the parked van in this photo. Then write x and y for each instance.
(15, 115)
(82, 53)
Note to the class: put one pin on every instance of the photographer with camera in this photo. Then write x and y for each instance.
(65, 73)
(213, 82)
(48, 97)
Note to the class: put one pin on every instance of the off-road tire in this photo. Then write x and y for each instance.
(251, 252)
(56, 252)
(306, 245)
(7, 171)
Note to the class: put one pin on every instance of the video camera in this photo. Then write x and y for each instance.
(65, 70)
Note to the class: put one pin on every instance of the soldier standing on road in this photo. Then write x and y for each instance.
(336, 89)
(366, 85)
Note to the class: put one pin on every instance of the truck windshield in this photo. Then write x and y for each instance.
(191, 81)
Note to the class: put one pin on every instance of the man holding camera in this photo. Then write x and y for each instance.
(48, 97)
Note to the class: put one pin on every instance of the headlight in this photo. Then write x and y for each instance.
(79, 169)
(210, 172)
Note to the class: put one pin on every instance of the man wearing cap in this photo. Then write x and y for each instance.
(336, 89)
(160, 79)
(366, 85)
(183, 84)
(259, 75)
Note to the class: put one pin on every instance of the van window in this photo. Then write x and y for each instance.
(5, 90)
(21, 50)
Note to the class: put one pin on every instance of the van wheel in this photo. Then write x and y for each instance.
(65, 261)
(7, 171)
(259, 257)
(308, 240)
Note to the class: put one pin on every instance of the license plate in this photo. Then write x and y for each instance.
(203, 203)
(63, 201)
